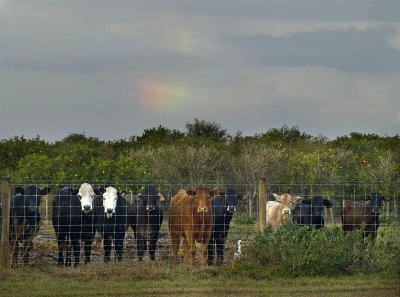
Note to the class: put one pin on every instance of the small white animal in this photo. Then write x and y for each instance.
(238, 252)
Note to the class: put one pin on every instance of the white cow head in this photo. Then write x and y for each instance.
(286, 200)
(110, 197)
(86, 196)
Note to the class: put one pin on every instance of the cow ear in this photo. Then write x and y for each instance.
(387, 198)
(45, 191)
(214, 192)
(19, 190)
(243, 197)
(327, 203)
(161, 197)
(74, 191)
(277, 197)
(122, 194)
(295, 198)
(101, 191)
(191, 192)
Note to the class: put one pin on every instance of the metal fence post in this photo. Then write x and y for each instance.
(5, 199)
(262, 194)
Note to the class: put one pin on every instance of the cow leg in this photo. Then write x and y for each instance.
(186, 250)
(88, 250)
(153, 244)
(175, 247)
(28, 245)
(119, 244)
(204, 249)
(220, 250)
(60, 258)
(68, 254)
(107, 248)
(211, 247)
(140, 245)
(76, 251)
(28, 235)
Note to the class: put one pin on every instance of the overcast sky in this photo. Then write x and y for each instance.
(111, 69)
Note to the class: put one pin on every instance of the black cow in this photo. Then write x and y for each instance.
(25, 219)
(111, 221)
(73, 222)
(310, 212)
(224, 206)
(145, 218)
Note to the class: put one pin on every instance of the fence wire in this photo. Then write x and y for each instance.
(39, 228)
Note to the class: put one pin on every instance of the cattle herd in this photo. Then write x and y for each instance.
(199, 216)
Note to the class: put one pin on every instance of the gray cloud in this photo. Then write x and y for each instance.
(330, 67)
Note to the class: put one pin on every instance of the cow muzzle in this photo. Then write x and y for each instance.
(286, 211)
(150, 208)
(109, 213)
(202, 209)
(86, 208)
(231, 209)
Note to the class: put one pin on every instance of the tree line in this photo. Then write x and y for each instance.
(204, 152)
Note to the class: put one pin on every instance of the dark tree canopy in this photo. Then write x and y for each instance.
(206, 130)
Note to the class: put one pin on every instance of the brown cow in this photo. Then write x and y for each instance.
(355, 215)
(280, 210)
(191, 217)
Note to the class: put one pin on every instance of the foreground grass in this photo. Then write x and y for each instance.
(153, 279)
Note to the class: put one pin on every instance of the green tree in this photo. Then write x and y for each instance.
(204, 130)
(159, 136)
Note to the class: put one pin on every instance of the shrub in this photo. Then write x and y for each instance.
(244, 220)
(299, 251)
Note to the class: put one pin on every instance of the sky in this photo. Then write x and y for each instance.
(111, 69)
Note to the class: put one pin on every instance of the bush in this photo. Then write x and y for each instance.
(244, 220)
(299, 251)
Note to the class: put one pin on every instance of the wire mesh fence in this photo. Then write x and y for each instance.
(111, 222)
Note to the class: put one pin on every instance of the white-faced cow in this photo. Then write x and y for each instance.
(280, 210)
(111, 217)
(191, 217)
(145, 218)
(74, 222)
(223, 206)
(25, 219)
(356, 214)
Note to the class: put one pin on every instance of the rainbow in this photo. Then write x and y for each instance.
(162, 96)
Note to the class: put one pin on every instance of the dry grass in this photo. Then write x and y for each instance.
(158, 279)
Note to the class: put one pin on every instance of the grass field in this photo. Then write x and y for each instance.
(154, 279)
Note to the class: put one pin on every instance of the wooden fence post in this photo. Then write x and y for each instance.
(5, 230)
(47, 208)
(331, 215)
(262, 195)
(387, 204)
